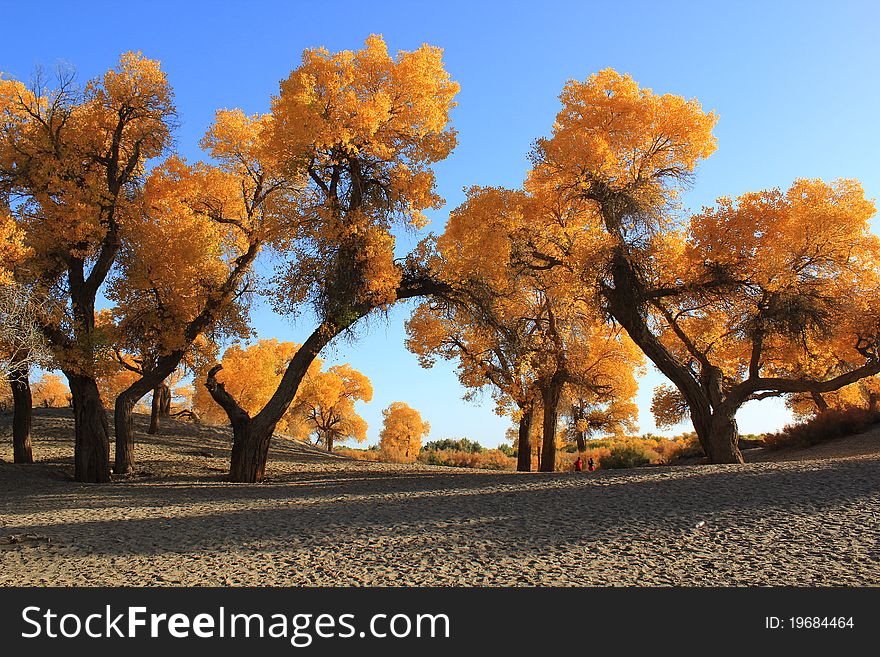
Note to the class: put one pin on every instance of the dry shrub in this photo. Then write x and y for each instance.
(830, 424)
(565, 460)
(490, 459)
(630, 454)
(359, 454)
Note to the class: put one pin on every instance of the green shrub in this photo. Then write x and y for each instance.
(459, 445)
(628, 455)
(507, 450)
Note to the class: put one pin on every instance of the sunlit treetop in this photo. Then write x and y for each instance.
(69, 157)
(611, 136)
(366, 127)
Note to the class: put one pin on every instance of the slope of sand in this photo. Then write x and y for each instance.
(812, 519)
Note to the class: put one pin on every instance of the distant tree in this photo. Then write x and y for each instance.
(454, 444)
(324, 405)
(402, 433)
(51, 392)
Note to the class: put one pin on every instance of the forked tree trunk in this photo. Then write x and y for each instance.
(524, 443)
(122, 428)
(91, 431)
(550, 394)
(252, 436)
(22, 411)
(250, 449)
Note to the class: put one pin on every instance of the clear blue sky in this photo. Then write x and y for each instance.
(795, 85)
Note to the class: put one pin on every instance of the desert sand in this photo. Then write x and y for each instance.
(802, 517)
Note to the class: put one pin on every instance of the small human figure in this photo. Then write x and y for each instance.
(590, 465)
(578, 465)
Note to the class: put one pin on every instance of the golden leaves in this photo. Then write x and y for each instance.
(402, 432)
(324, 405)
(366, 128)
(12, 247)
(612, 131)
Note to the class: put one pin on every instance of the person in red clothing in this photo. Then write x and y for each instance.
(578, 465)
(590, 465)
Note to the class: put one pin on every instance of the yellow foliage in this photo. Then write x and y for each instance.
(12, 248)
(367, 128)
(50, 392)
(324, 406)
(251, 375)
(402, 433)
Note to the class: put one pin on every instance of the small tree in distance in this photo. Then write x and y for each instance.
(402, 433)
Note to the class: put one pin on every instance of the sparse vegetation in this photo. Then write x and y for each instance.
(828, 425)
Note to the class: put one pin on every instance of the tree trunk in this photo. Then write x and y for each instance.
(161, 407)
(250, 449)
(719, 437)
(550, 395)
(524, 443)
(329, 442)
(154, 411)
(91, 454)
(22, 411)
(124, 438)
(124, 441)
(819, 401)
(164, 400)
(581, 439)
(252, 436)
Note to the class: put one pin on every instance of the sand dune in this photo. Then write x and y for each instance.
(811, 519)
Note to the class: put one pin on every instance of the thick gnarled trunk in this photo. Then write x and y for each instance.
(91, 431)
(22, 411)
(524, 443)
(719, 436)
(250, 450)
(122, 427)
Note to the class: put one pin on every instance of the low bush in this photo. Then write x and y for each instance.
(565, 460)
(359, 454)
(629, 455)
(489, 459)
(459, 445)
(830, 424)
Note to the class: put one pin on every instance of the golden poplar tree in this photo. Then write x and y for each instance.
(402, 431)
(767, 294)
(70, 162)
(366, 128)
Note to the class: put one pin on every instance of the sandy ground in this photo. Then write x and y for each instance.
(803, 518)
